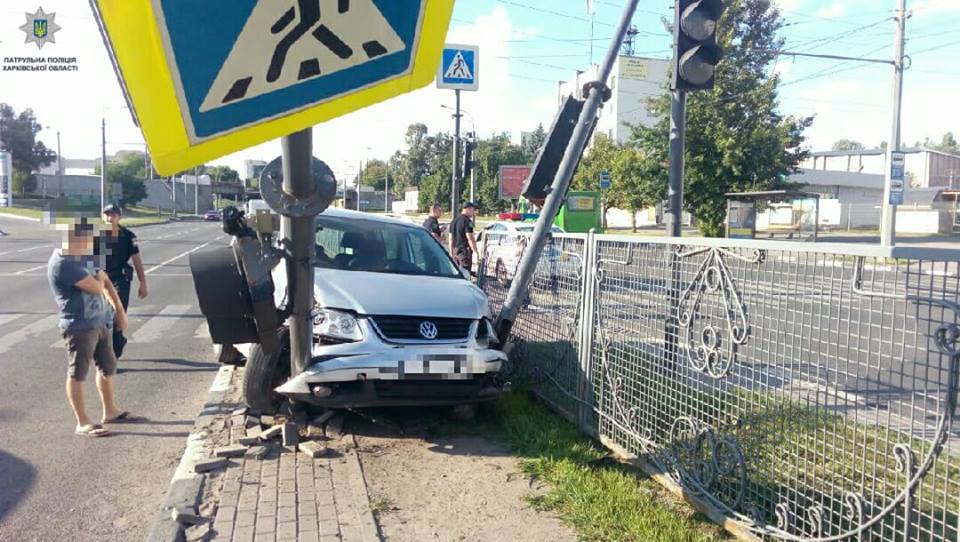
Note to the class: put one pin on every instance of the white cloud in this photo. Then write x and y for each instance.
(836, 9)
(931, 7)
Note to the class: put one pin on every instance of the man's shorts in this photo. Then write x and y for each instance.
(464, 259)
(89, 345)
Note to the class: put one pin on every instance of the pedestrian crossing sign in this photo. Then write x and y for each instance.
(205, 79)
(458, 67)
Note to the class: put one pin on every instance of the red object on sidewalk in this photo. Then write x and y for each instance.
(509, 216)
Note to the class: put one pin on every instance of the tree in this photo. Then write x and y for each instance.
(948, 144)
(375, 174)
(130, 172)
(18, 134)
(531, 145)
(847, 145)
(223, 174)
(736, 137)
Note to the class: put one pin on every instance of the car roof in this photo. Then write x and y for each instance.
(337, 212)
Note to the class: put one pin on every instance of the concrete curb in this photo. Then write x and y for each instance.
(186, 487)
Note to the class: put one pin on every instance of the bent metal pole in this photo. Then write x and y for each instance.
(561, 182)
(298, 182)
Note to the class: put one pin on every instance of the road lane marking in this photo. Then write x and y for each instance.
(8, 341)
(155, 329)
(177, 257)
(5, 318)
(25, 271)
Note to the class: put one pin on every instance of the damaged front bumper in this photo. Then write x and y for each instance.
(396, 376)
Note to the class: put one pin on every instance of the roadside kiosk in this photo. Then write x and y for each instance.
(580, 213)
(773, 214)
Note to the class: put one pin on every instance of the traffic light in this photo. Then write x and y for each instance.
(695, 43)
(469, 145)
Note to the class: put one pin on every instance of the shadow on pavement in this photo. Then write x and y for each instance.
(18, 477)
(176, 361)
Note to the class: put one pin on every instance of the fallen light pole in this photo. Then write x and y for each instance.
(598, 93)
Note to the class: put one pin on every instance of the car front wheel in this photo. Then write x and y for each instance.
(264, 373)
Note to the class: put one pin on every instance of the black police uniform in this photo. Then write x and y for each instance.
(119, 249)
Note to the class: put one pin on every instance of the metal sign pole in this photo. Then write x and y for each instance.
(455, 188)
(561, 182)
(297, 182)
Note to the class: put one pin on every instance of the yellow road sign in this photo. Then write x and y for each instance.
(208, 78)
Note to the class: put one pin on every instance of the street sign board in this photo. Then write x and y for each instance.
(512, 179)
(898, 161)
(6, 179)
(605, 180)
(459, 67)
(205, 79)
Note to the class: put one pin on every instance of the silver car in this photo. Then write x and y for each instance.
(396, 322)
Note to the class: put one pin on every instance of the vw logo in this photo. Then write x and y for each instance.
(428, 330)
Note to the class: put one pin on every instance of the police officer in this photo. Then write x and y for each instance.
(120, 246)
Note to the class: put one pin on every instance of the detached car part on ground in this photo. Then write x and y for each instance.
(396, 321)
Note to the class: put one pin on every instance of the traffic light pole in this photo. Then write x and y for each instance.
(297, 182)
(888, 221)
(455, 188)
(678, 123)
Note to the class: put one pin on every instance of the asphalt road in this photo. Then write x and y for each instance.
(55, 485)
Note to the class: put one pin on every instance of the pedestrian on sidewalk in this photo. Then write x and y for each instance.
(432, 223)
(85, 297)
(463, 245)
(121, 248)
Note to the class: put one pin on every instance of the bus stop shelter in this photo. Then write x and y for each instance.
(771, 214)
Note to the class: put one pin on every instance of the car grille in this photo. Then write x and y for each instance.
(407, 328)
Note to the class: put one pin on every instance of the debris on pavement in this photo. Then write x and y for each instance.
(208, 465)
(234, 450)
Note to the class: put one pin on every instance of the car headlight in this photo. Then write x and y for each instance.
(334, 324)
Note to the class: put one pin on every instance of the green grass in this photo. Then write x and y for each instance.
(601, 499)
(22, 211)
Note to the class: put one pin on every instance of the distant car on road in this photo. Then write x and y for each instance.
(503, 243)
(396, 322)
(212, 216)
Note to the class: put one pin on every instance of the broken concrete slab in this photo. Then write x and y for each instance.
(198, 532)
(248, 440)
(186, 515)
(239, 411)
(267, 420)
(252, 421)
(291, 434)
(273, 432)
(312, 449)
(256, 452)
(208, 465)
(233, 450)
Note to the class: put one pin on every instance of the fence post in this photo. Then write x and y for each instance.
(849, 216)
(588, 285)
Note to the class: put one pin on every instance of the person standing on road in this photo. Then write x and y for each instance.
(121, 248)
(463, 245)
(85, 296)
(432, 223)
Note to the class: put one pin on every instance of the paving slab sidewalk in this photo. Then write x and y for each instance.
(270, 493)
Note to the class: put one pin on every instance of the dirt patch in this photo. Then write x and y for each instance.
(450, 488)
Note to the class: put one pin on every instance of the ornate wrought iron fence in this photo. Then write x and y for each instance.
(805, 391)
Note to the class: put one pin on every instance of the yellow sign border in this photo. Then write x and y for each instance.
(134, 38)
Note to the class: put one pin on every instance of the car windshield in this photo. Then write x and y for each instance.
(353, 244)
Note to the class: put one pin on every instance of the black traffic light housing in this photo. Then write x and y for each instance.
(469, 146)
(538, 184)
(696, 53)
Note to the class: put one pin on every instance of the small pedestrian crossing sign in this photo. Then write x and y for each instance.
(458, 67)
(205, 79)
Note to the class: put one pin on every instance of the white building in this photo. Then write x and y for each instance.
(252, 169)
(633, 81)
(924, 167)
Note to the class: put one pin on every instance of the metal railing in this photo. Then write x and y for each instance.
(801, 391)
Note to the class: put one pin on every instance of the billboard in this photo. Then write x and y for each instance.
(6, 179)
(512, 179)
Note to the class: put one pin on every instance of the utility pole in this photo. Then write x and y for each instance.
(473, 182)
(297, 175)
(888, 222)
(173, 184)
(196, 193)
(359, 184)
(678, 113)
(386, 194)
(103, 163)
(59, 166)
(455, 189)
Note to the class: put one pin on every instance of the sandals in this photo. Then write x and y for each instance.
(124, 417)
(91, 430)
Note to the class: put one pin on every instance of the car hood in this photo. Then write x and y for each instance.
(408, 295)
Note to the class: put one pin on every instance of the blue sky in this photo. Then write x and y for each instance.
(526, 47)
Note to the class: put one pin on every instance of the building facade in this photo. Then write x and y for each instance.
(925, 167)
(633, 82)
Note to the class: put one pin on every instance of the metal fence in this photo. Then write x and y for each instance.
(803, 391)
